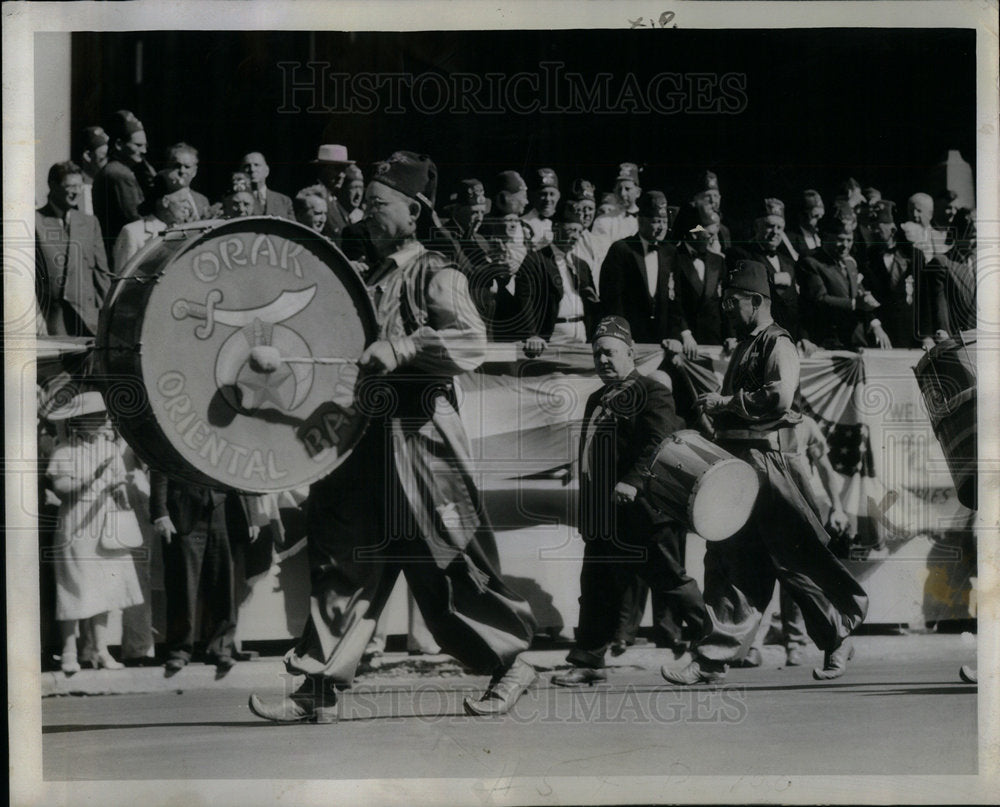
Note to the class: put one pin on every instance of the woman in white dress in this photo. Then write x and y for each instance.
(95, 573)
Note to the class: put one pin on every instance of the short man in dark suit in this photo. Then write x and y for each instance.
(117, 192)
(834, 302)
(698, 276)
(804, 237)
(182, 160)
(636, 276)
(624, 423)
(891, 279)
(709, 195)
(331, 163)
(267, 202)
(555, 289)
(71, 266)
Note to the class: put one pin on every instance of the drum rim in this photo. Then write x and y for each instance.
(197, 234)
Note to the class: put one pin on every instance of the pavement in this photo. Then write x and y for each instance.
(900, 709)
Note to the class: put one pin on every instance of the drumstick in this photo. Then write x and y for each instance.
(266, 359)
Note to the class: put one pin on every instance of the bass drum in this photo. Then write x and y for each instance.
(175, 339)
(946, 375)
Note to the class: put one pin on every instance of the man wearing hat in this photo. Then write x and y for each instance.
(267, 201)
(117, 190)
(783, 539)
(834, 302)
(555, 291)
(698, 276)
(890, 277)
(93, 156)
(332, 161)
(71, 266)
(708, 194)
(637, 274)
(405, 500)
(804, 236)
(543, 193)
(624, 423)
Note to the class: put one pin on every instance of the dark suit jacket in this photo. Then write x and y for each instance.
(798, 241)
(194, 508)
(538, 289)
(624, 289)
(71, 271)
(826, 302)
(277, 204)
(336, 218)
(116, 196)
(698, 304)
(888, 284)
(635, 418)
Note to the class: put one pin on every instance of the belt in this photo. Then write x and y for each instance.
(748, 436)
(560, 320)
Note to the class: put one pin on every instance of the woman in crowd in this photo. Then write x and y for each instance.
(94, 570)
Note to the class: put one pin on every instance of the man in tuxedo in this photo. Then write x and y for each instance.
(636, 276)
(544, 195)
(624, 423)
(698, 276)
(709, 195)
(804, 236)
(835, 304)
(267, 202)
(555, 291)
(890, 277)
(71, 266)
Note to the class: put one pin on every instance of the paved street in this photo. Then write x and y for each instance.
(900, 710)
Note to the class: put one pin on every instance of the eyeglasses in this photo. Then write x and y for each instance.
(730, 303)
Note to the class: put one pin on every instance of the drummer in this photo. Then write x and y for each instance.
(783, 540)
(625, 422)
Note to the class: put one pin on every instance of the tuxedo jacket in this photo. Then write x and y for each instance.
(71, 271)
(538, 289)
(889, 284)
(624, 289)
(697, 302)
(826, 302)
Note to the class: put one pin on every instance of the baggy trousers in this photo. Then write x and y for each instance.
(609, 571)
(782, 541)
(362, 534)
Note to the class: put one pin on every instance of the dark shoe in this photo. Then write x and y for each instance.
(793, 656)
(224, 664)
(751, 659)
(504, 690)
(969, 674)
(579, 676)
(695, 673)
(175, 664)
(618, 649)
(246, 655)
(835, 662)
(313, 702)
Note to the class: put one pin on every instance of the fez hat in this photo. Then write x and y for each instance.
(568, 211)
(466, 193)
(123, 125)
(332, 154)
(884, 212)
(811, 199)
(628, 171)
(83, 403)
(835, 225)
(412, 174)
(508, 182)
(615, 327)
(751, 277)
(94, 137)
(582, 190)
(653, 204)
(708, 181)
(543, 178)
(774, 207)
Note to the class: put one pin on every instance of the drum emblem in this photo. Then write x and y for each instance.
(243, 387)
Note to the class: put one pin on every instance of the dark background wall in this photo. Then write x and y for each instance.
(822, 104)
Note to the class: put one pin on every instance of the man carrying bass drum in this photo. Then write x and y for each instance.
(783, 539)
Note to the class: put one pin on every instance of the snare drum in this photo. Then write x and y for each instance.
(697, 483)
(174, 344)
(946, 375)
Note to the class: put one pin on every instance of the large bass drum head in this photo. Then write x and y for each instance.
(191, 314)
(723, 499)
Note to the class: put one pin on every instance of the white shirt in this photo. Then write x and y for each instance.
(571, 304)
(541, 229)
(773, 260)
(652, 265)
